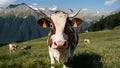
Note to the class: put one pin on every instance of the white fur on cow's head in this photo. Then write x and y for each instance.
(58, 21)
(59, 38)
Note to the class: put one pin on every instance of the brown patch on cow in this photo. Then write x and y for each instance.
(70, 32)
(52, 32)
(49, 40)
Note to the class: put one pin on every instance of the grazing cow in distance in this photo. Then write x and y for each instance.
(86, 31)
(86, 41)
(12, 47)
(26, 47)
(62, 38)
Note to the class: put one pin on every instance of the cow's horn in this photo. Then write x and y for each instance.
(73, 15)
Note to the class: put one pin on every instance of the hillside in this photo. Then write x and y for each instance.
(18, 23)
(102, 52)
(109, 22)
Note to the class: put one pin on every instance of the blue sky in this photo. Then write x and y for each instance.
(74, 4)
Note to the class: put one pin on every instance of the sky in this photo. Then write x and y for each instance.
(73, 4)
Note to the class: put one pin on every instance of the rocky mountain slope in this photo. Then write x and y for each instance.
(18, 23)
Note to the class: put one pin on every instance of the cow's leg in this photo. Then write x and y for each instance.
(67, 60)
(67, 63)
(51, 58)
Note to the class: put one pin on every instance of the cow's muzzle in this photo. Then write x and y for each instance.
(59, 44)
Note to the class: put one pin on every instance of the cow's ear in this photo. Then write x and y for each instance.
(43, 22)
(76, 22)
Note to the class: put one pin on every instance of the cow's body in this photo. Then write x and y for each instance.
(12, 47)
(26, 47)
(86, 41)
(62, 39)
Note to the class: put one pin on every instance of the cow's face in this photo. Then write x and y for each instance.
(58, 22)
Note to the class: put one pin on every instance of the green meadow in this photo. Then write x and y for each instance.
(103, 51)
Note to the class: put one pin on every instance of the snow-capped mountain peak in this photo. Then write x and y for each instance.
(35, 7)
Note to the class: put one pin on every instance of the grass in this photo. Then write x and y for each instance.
(102, 52)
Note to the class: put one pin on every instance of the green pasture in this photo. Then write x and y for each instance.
(103, 51)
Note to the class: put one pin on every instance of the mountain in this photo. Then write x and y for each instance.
(90, 14)
(108, 22)
(115, 11)
(18, 23)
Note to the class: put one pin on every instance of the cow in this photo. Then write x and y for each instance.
(86, 31)
(62, 38)
(12, 47)
(26, 47)
(86, 41)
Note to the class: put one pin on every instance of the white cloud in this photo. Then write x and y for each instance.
(109, 2)
(35, 4)
(5, 3)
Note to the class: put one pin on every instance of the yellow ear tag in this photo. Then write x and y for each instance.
(75, 24)
(44, 25)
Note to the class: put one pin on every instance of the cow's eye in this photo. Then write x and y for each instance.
(51, 26)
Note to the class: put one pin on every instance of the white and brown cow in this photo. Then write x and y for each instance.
(86, 41)
(62, 39)
(12, 47)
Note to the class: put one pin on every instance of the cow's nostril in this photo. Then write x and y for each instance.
(55, 43)
(64, 43)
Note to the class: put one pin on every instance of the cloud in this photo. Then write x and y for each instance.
(34, 3)
(109, 2)
(5, 3)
